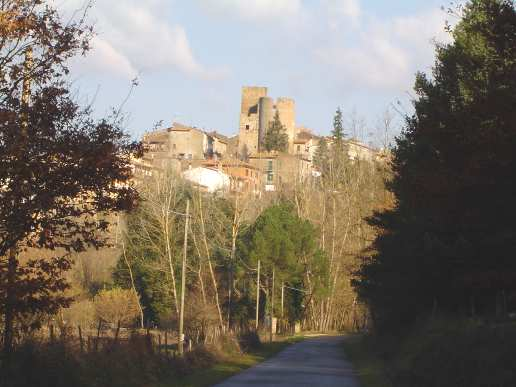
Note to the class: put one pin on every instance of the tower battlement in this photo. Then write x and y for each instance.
(256, 113)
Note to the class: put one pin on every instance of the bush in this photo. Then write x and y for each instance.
(62, 365)
(456, 354)
(116, 305)
(249, 340)
(80, 313)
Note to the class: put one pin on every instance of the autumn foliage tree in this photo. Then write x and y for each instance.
(116, 306)
(59, 168)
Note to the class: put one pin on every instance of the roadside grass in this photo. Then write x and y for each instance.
(442, 352)
(368, 366)
(232, 365)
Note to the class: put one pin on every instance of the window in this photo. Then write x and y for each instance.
(269, 165)
(299, 148)
(174, 146)
(270, 177)
(247, 127)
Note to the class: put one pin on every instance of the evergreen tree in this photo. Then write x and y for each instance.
(338, 160)
(276, 138)
(449, 244)
(338, 129)
(152, 285)
(287, 244)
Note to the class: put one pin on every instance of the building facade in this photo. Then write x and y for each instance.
(182, 147)
(257, 111)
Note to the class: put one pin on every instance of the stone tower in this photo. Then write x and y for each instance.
(257, 111)
(250, 119)
(286, 109)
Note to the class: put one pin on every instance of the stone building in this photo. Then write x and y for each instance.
(305, 144)
(281, 169)
(244, 177)
(185, 143)
(177, 148)
(182, 147)
(257, 112)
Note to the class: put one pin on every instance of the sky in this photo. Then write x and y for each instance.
(192, 57)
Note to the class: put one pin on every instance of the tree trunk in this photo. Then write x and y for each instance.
(199, 272)
(210, 266)
(170, 263)
(140, 308)
(10, 301)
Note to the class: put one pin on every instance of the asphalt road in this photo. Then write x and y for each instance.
(317, 361)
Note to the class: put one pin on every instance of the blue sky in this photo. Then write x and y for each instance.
(193, 56)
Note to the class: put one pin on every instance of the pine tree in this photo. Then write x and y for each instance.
(449, 244)
(338, 129)
(338, 159)
(276, 137)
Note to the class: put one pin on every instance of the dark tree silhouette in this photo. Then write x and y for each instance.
(450, 242)
(60, 170)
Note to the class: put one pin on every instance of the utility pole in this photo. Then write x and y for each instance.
(234, 230)
(257, 295)
(183, 280)
(282, 299)
(272, 305)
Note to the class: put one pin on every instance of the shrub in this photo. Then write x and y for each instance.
(116, 306)
(457, 354)
(80, 313)
(249, 340)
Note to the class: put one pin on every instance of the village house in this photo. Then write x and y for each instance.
(244, 177)
(281, 169)
(197, 153)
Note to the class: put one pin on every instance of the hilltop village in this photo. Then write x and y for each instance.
(240, 163)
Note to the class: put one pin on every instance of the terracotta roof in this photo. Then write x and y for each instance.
(229, 163)
(219, 136)
(304, 135)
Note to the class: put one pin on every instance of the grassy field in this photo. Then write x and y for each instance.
(232, 365)
(369, 368)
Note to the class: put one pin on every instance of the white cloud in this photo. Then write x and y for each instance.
(348, 9)
(103, 57)
(384, 54)
(419, 30)
(133, 37)
(257, 10)
(379, 64)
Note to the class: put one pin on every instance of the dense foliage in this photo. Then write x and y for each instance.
(449, 244)
(59, 168)
(286, 245)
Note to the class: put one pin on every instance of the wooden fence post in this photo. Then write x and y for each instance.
(80, 339)
(98, 336)
(117, 333)
(149, 340)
